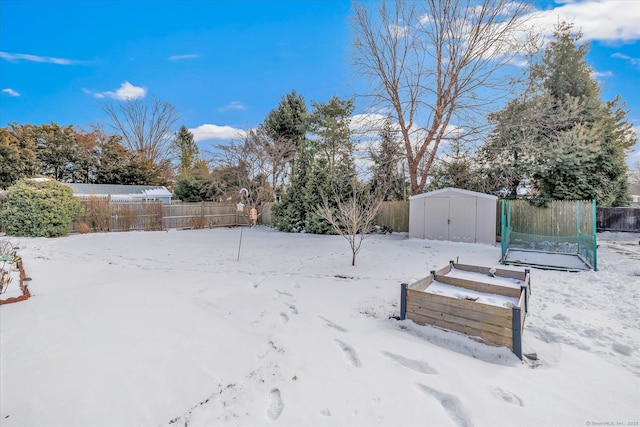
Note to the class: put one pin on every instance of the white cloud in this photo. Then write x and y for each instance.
(233, 105)
(601, 74)
(368, 124)
(124, 92)
(398, 31)
(35, 58)
(208, 131)
(10, 92)
(184, 56)
(633, 61)
(604, 20)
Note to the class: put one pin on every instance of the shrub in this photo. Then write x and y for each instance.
(126, 216)
(197, 222)
(97, 213)
(40, 207)
(83, 228)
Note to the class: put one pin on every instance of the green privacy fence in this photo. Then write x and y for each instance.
(563, 227)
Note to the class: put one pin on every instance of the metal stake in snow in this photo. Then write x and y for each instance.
(240, 209)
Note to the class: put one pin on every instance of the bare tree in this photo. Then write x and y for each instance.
(435, 65)
(276, 153)
(145, 126)
(351, 218)
(246, 165)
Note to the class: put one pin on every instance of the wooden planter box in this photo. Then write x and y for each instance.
(467, 299)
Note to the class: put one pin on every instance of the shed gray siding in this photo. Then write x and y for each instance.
(453, 214)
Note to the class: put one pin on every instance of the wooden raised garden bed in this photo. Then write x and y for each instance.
(490, 304)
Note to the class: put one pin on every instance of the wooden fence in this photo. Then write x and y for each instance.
(200, 215)
(559, 218)
(105, 215)
(392, 215)
(618, 219)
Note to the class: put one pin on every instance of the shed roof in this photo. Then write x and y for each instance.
(119, 190)
(461, 192)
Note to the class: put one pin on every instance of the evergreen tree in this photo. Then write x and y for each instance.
(324, 167)
(289, 214)
(286, 127)
(112, 161)
(329, 123)
(457, 169)
(17, 158)
(54, 147)
(561, 141)
(85, 163)
(386, 180)
(185, 150)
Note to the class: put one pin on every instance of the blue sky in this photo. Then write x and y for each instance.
(225, 64)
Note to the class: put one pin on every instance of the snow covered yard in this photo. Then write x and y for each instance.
(169, 329)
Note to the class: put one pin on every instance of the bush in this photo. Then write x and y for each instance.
(83, 228)
(96, 213)
(42, 207)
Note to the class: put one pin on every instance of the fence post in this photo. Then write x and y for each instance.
(526, 298)
(503, 235)
(595, 243)
(403, 301)
(516, 328)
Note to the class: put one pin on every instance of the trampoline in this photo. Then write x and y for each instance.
(561, 236)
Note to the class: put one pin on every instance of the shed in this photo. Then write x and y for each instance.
(123, 193)
(453, 214)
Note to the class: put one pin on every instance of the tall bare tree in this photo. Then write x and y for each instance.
(435, 64)
(145, 126)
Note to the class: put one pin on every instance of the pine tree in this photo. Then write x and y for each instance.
(185, 149)
(456, 169)
(386, 180)
(286, 126)
(324, 167)
(17, 158)
(562, 141)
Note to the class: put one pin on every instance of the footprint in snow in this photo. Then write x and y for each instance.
(284, 317)
(293, 309)
(349, 354)
(415, 365)
(280, 293)
(451, 404)
(275, 405)
(335, 326)
(508, 397)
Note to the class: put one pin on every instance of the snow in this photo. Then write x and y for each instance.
(479, 297)
(170, 329)
(556, 260)
(11, 287)
(485, 278)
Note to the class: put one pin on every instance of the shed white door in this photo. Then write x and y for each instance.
(436, 218)
(462, 219)
(450, 219)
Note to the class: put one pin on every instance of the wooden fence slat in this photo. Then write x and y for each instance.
(102, 214)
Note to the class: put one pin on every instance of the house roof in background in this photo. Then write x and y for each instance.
(121, 190)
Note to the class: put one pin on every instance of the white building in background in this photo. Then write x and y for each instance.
(122, 193)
